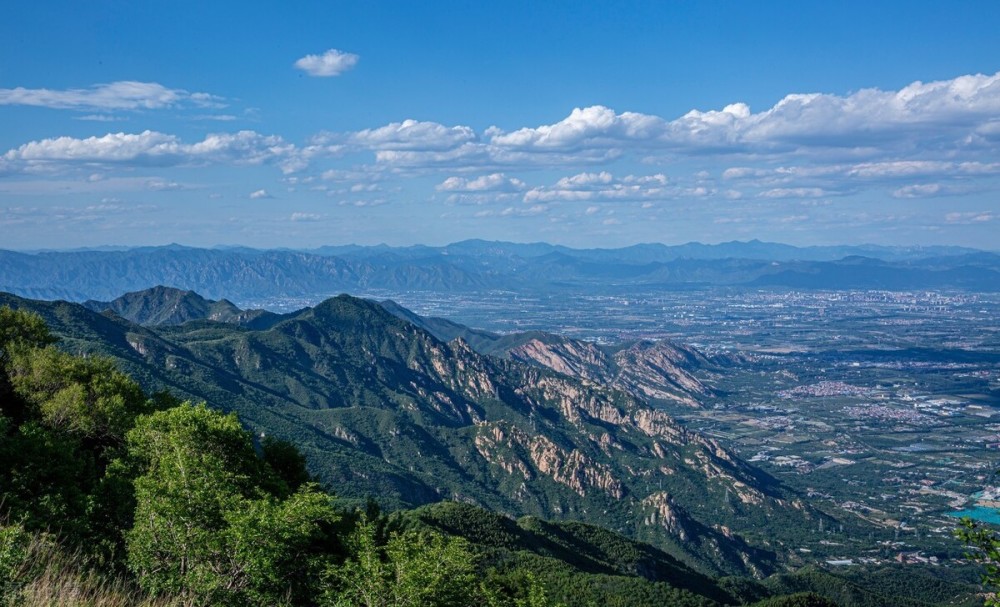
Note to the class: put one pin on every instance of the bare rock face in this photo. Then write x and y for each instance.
(645, 369)
(517, 452)
(663, 512)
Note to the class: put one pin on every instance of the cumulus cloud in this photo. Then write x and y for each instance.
(902, 131)
(413, 135)
(806, 146)
(953, 109)
(601, 186)
(261, 194)
(495, 182)
(331, 63)
(596, 125)
(150, 148)
(122, 95)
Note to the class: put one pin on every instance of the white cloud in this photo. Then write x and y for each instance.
(485, 156)
(305, 217)
(840, 178)
(584, 181)
(122, 95)
(793, 193)
(601, 186)
(331, 63)
(531, 211)
(596, 125)
(373, 202)
(495, 182)
(943, 135)
(743, 172)
(952, 109)
(923, 190)
(950, 121)
(99, 118)
(216, 117)
(413, 135)
(260, 195)
(162, 185)
(92, 215)
(150, 148)
(971, 218)
(936, 189)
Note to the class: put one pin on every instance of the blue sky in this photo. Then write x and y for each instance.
(586, 124)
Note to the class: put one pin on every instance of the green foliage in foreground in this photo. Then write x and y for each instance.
(409, 569)
(213, 521)
(173, 502)
(984, 542)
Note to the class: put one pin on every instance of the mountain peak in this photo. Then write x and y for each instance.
(164, 305)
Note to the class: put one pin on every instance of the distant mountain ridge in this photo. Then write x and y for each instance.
(249, 275)
(657, 252)
(647, 370)
(168, 306)
(382, 407)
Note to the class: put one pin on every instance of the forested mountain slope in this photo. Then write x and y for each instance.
(382, 408)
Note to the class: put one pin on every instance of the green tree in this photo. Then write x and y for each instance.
(516, 588)
(86, 397)
(287, 462)
(15, 550)
(19, 331)
(205, 529)
(411, 570)
(800, 599)
(984, 544)
(63, 421)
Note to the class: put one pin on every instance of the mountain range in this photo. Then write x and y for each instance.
(382, 407)
(250, 275)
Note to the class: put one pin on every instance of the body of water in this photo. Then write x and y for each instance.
(979, 513)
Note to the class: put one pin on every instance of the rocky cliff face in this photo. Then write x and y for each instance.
(645, 369)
